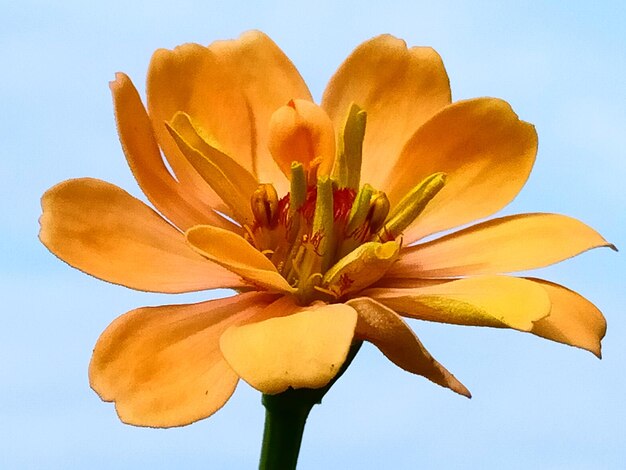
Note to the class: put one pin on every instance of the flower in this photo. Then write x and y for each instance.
(316, 216)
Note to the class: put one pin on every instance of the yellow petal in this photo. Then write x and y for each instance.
(232, 183)
(162, 366)
(230, 89)
(399, 88)
(573, 319)
(484, 149)
(507, 244)
(172, 199)
(390, 333)
(304, 349)
(103, 231)
(237, 255)
(302, 132)
(361, 267)
(496, 301)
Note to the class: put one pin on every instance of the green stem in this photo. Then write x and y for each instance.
(285, 417)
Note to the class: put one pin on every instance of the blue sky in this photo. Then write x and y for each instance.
(536, 404)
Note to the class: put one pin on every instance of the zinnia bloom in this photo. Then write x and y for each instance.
(315, 216)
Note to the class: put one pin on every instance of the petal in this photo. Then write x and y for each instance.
(291, 346)
(383, 327)
(162, 366)
(513, 243)
(573, 319)
(302, 132)
(496, 301)
(104, 231)
(399, 88)
(486, 152)
(230, 89)
(238, 256)
(230, 181)
(172, 199)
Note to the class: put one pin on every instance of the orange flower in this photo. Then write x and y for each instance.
(314, 215)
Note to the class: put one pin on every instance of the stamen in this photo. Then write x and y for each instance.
(264, 205)
(360, 209)
(379, 209)
(323, 223)
(347, 170)
(297, 196)
(411, 206)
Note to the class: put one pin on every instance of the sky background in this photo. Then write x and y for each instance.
(537, 404)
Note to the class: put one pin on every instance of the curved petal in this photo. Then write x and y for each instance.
(170, 198)
(573, 319)
(513, 243)
(486, 152)
(162, 366)
(496, 301)
(231, 90)
(383, 327)
(237, 255)
(298, 347)
(231, 182)
(300, 131)
(104, 231)
(399, 88)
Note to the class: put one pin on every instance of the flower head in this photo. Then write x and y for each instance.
(315, 215)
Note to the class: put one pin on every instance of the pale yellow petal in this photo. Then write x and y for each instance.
(573, 319)
(104, 231)
(162, 366)
(237, 255)
(172, 199)
(231, 182)
(304, 349)
(382, 327)
(496, 301)
(485, 151)
(513, 243)
(399, 88)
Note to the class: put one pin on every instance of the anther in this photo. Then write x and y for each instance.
(264, 204)
(379, 209)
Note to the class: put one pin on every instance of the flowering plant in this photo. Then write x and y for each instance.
(316, 215)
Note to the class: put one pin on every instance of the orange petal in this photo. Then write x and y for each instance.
(496, 301)
(399, 88)
(230, 89)
(237, 255)
(304, 349)
(301, 131)
(390, 333)
(573, 319)
(104, 231)
(513, 243)
(486, 152)
(232, 183)
(162, 366)
(171, 198)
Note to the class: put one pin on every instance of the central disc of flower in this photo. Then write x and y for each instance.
(330, 235)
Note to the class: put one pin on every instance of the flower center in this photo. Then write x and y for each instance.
(329, 241)
(331, 235)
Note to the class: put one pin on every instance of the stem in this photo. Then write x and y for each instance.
(285, 417)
